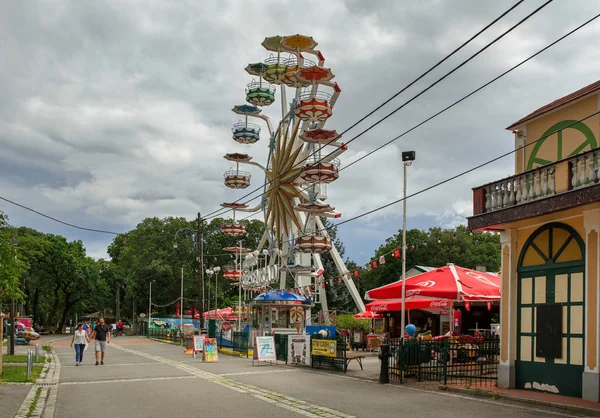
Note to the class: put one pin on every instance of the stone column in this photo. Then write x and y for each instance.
(508, 309)
(591, 373)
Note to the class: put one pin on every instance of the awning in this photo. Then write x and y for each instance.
(449, 282)
(428, 304)
(367, 315)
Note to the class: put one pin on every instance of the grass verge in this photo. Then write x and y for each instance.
(12, 374)
(17, 358)
(34, 402)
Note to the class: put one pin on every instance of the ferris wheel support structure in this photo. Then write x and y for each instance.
(295, 174)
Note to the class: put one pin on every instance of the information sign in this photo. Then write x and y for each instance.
(324, 348)
(211, 353)
(264, 348)
(199, 343)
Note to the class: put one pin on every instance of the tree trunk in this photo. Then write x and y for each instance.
(66, 310)
(36, 306)
(118, 303)
(54, 310)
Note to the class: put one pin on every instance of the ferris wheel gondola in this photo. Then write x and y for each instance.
(296, 172)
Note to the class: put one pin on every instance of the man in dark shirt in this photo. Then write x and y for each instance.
(101, 336)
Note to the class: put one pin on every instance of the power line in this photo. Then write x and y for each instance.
(390, 99)
(463, 173)
(464, 97)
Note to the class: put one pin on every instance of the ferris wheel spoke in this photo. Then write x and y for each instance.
(290, 207)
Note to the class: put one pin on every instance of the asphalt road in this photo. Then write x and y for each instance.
(151, 379)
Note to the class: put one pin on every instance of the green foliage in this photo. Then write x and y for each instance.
(11, 267)
(147, 254)
(53, 277)
(435, 248)
(18, 374)
(346, 321)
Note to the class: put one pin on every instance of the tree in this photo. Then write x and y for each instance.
(10, 265)
(338, 297)
(435, 248)
(146, 254)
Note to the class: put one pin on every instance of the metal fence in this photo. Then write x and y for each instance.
(173, 336)
(281, 344)
(468, 361)
(240, 342)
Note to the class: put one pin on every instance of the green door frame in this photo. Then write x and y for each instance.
(548, 369)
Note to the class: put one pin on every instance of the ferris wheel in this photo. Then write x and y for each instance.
(296, 173)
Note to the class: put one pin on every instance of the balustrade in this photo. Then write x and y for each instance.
(583, 170)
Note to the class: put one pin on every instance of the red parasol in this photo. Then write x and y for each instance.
(386, 305)
(367, 315)
(449, 282)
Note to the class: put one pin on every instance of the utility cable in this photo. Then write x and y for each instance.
(463, 98)
(225, 210)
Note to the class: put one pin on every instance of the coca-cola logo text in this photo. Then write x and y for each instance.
(439, 304)
(428, 283)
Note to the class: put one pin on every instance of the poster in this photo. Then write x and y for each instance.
(324, 348)
(211, 354)
(378, 328)
(199, 343)
(265, 348)
(299, 349)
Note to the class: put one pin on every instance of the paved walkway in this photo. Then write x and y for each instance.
(151, 379)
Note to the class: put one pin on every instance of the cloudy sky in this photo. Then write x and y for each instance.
(114, 110)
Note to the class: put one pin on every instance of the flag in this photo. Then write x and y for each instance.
(368, 266)
(468, 306)
(382, 259)
(489, 306)
(356, 273)
(374, 263)
(339, 279)
(323, 285)
(396, 253)
(330, 282)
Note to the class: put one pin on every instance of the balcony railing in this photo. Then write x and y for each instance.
(579, 171)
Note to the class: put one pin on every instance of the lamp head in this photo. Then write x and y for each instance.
(217, 269)
(408, 156)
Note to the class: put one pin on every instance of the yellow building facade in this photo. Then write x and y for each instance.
(548, 215)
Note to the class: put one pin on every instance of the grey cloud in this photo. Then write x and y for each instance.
(113, 111)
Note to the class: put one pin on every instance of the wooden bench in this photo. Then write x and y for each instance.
(357, 357)
(338, 362)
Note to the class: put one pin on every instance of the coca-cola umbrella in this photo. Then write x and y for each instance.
(449, 282)
(367, 315)
(428, 304)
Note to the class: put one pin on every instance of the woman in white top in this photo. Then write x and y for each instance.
(80, 338)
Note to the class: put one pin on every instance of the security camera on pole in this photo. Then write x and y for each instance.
(407, 158)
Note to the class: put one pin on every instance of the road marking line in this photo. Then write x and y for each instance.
(118, 365)
(261, 372)
(283, 401)
(137, 379)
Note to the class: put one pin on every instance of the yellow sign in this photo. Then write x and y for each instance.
(325, 348)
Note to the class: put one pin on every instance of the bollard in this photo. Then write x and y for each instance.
(384, 356)
(29, 363)
(37, 353)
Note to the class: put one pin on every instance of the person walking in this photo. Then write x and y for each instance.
(102, 337)
(79, 340)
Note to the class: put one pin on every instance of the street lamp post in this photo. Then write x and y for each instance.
(216, 269)
(194, 238)
(240, 290)
(209, 273)
(407, 158)
(150, 307)
(181, 305)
